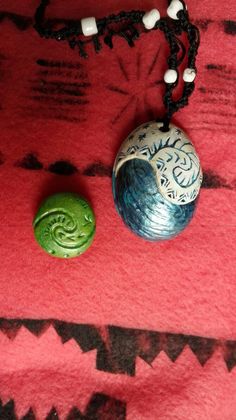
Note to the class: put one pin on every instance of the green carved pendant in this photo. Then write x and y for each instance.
(64, 225)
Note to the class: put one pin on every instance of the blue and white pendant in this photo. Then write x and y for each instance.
(156, 180)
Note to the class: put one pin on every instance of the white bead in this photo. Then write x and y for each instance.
(189, 75)
(150, 18)
(89, 26)
(170, 76)
(174, 7)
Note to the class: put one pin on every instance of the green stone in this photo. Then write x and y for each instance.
(64, 225)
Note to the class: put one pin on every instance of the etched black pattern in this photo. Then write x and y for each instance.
(58, 91)
(203, 24)
(2, 159)
(123, 69)
(35, 326)
(116, 89)
(124, 346)
(222, 71)
(154, 62)
(100, 407)
(98, 169)
(21, 22)
(126, 89)
(212, 180)
(7, 411)
(229, 27)
(52, 415)
(2, 73)
(30, 162)
(30, 415)
(218, 90)
(59, 64)
(230, 354)
(117, 352)
(2, 61)
(62, 167)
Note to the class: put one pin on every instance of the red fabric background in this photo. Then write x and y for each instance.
(186, 285)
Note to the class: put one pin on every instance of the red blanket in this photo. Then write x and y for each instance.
(130, 329)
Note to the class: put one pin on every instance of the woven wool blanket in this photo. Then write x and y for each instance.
(130, 329)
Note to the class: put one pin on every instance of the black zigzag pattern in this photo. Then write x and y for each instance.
(100, 407)
(118, 353)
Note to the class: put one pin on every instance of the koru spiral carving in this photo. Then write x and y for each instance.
(65, 225)
(172, 157)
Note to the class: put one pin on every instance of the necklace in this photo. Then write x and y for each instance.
(157, 174)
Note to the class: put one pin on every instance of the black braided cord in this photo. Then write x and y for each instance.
(129, 26)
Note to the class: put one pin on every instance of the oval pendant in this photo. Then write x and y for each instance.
(156, 180)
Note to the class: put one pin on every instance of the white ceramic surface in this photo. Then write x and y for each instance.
(172, 157)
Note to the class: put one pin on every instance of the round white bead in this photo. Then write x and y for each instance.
(189, 75)
(150, 18)
(174, 7)
(170, 76)
(89, 26)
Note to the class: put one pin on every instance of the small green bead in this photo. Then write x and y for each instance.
(64, 225)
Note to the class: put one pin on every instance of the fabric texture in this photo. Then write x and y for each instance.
(130, 329)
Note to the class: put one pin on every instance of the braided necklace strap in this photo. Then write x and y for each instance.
(130, 25)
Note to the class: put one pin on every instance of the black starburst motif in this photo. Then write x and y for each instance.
(142, 136)
(127, 88)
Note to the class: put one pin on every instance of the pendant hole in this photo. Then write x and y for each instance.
(166, 121)
(164, 129)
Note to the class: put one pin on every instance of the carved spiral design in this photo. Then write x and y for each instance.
(172, 156)
(178, 173)
(62, 231)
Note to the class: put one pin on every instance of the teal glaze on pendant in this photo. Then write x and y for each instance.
(143, 209)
